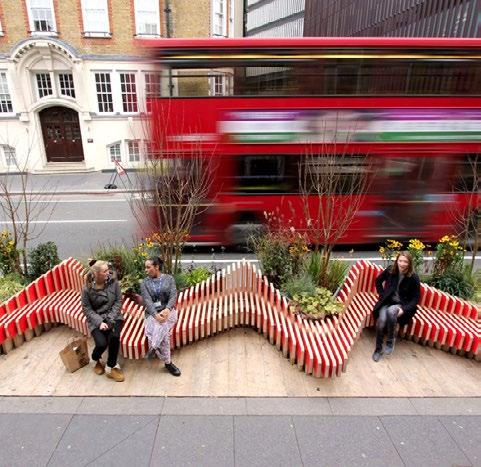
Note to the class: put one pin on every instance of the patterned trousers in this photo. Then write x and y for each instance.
(158, 335)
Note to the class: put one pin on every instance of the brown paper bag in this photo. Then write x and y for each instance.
(75, 355)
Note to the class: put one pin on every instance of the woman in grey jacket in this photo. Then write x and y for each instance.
(159, 294)
(101, 303)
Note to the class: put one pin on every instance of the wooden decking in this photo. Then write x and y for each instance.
(241, 363)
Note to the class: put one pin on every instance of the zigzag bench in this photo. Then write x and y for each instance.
(240, 296)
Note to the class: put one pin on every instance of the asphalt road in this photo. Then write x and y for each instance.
(80, 223)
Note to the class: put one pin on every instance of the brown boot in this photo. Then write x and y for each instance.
(116, 374)
(99, 368)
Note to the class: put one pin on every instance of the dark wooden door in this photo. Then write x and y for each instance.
(61, 135)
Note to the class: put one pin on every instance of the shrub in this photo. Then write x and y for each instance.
(336, 274)
(416, 248)
(41, 259)
(298, 285)
(389, 251)
(455, 281)
(319, 305)
(180, 280)
(10, 285)
(314, 266)
(8, 253)
(449, 256)
(196, 275)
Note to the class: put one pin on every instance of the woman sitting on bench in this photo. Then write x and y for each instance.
(159, 294)
(398, 288)
(101, 303)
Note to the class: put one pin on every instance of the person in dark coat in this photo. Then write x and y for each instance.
(398, 288)
(101, 304)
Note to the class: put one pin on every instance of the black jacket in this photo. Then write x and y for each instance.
(409, 290)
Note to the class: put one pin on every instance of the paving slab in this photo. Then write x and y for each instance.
(466, 433)
(346, 441)
(204, 406)
(424, 441)
(30, 439)
(194, 441)
(90, 438)
(261, 441)
(121, 405)
(447, 405)
(371, 406)
(288, 406)
(41, 405)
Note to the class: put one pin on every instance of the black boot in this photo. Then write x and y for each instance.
(172, 369)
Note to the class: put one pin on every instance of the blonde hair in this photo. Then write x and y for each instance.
(95, 266)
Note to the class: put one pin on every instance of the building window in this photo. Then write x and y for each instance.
(218, 85)
(41, 16)
(219, 18)
(10, 156)
(104, 92)
(129, 92)
(5, 100)
(114, 152)
(152, 88)
(44, 85)
(147, 17)
(66, 85)
(95, 18)
(134, 151)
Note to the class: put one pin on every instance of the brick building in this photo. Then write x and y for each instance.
(73, 81)
(398, 18)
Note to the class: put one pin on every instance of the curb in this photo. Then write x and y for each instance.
(75, 192)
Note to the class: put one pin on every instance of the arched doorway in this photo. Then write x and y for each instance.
(61, 134)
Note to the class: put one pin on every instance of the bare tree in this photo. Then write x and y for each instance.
(22, 204)
(333, 184)
(174, 185)
(468, 220)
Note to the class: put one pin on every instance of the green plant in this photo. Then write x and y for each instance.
(196, 275)
(336, 274)
(455, 281)
(130, 283)
(416, 248)
(313, 266)
(298, 285)
(319, 305)
(10, 285)
(41, 259)
(449, 256)
(180, 280)
(389, 251)
(9, 255)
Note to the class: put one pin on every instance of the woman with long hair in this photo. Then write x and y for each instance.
(159, 294)
(398, 288)
(101, 304)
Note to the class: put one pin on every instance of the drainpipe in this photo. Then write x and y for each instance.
(168, 30)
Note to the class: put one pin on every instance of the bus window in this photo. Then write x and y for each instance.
(265, 174)
(468, 174)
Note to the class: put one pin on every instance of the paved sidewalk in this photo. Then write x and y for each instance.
(240, 431)
(75, 183)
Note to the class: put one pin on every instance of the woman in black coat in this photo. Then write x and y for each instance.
(398, 288)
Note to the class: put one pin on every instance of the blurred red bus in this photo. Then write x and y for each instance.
(408, 107)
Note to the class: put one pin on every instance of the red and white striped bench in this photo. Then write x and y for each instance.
(240, 295)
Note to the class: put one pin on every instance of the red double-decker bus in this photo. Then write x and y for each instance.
(407, 108)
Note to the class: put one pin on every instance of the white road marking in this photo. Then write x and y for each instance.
(69, 221)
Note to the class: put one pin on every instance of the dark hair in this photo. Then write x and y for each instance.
(395, 268)
(156, 261)
(92, 262)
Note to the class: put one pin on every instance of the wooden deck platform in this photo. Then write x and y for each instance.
(241, 363)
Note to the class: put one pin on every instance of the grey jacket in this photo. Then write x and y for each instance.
(102, 305)
(168, 294)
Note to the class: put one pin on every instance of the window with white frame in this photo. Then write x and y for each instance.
(152, 87)
(1, 29)
(133, 148)
(103, 87)
(65, 81)
(218, 85)
(95, 15)
(10, 156)
(41, 16)
(147, 17)
(115, 152)
(148, 148)
(219, 18)
(129, 92)
(44, 85)
(5, 99)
